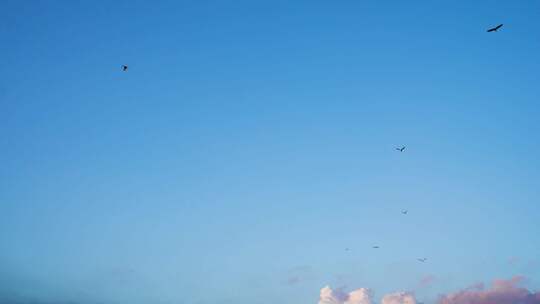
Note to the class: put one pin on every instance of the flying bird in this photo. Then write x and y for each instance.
(495, 29)
(124, 68)
(422, 260)
(375, 247)
(404, 211)
(401, 149)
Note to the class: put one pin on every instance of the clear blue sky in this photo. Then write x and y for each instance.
(251, 142)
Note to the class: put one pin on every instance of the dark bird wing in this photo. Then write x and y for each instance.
(494, 29)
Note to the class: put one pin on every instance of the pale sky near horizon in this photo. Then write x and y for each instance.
(251, 142)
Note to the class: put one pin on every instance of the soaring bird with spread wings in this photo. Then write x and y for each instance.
(494, 29)
(422, 260)
(401, 149)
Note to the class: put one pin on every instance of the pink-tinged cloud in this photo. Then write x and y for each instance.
(399, 298)
(358, 296)
(501, 292)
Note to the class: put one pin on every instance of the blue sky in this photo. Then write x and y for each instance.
(251, 142)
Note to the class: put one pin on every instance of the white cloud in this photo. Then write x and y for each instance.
(399, 298)
(358, 296)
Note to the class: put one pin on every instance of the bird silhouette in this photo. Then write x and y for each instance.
(404, 211)
(422, 260)
(375, 247)
(124, 68)
(401, 149)
(495, 29)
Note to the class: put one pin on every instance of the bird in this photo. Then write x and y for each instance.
(423, 260)
(401, 149)
(404, 211)
(124, 67)
(495, 29)
(375, 247)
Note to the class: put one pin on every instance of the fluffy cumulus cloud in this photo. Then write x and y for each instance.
(500, 292)
(358, 296)
(362, 296)
(399, 298)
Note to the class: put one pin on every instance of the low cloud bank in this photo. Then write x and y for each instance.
(362, 296)
(500, 292)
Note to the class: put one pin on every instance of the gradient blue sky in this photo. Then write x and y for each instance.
(251, 142)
